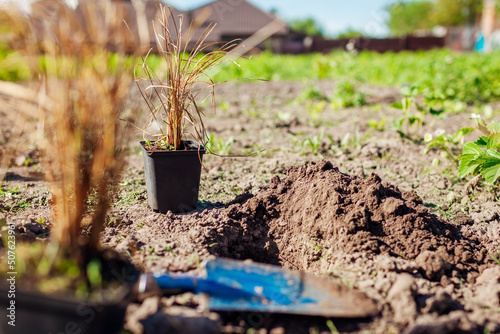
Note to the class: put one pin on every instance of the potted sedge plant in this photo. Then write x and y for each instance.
(173, 158)
(70, 283)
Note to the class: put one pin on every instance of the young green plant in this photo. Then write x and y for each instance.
(448, 143)
(482, 156)
(409, 124)
(345, 95)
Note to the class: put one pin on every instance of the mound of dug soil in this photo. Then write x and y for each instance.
(317, 210)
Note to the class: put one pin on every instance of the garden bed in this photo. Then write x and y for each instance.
(326, 192)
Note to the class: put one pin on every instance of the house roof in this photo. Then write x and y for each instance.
(232, 19)
(235, 18)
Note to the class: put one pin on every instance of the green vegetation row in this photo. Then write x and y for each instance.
(441, 75)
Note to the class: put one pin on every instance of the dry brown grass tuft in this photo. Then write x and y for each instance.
(76, 94)
(186, 77)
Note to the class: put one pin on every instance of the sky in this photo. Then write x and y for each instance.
(367, 16)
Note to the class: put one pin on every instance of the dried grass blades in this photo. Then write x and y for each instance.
(83, 86)
(185, 78)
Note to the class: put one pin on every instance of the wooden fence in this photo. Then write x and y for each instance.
(410, 43)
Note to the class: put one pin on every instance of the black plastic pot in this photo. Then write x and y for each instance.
(42, 314)
(173, 177)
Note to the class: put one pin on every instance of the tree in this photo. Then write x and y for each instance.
(350, 33)
(407, 17)
(455, 12)
(307, 26)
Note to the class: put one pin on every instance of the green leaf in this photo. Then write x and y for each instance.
(420, 108)
(491, 154)
(493, 141)
(472, 148)
(413, 119)
(435, 112)
(405, 91)
(465, 131)
(434, 143)
(94, 273)
(490, 170)
(397, 105)
(494, 127)
(470, 160)
(406, 103)
(481, 126)
(482, 141)
(469, 164)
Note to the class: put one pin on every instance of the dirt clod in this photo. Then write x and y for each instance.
(402, 299)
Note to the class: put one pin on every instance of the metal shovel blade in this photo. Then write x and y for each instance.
(248, 286)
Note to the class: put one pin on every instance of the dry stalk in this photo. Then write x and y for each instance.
(78, 88)
(186, 77)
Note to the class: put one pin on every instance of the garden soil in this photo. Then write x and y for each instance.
(365, 208)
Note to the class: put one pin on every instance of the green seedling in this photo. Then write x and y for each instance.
(134, 149)
(322, 67)
(409, 124)
(220, 145)
(482, 156)
(314, 143)
(411, 121)
(10, 191)
(170, 250)
(194, 260)
(135, 196)
(165, 146)
(345, 95)
(314, 111)
(353, 142)
(251, 112)
(377, 125)
(159, 144)
(112, 220)
(224, 105)
(283, 116)
(448, 143)
(94, 273)
(494, 258)
(312, 93)
(331, 327)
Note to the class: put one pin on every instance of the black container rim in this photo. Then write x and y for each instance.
(197, 148)
(64, 302)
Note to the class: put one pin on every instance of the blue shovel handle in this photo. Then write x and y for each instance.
(177, 283)
(173, 283)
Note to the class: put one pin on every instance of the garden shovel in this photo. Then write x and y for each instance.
(247, 286)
